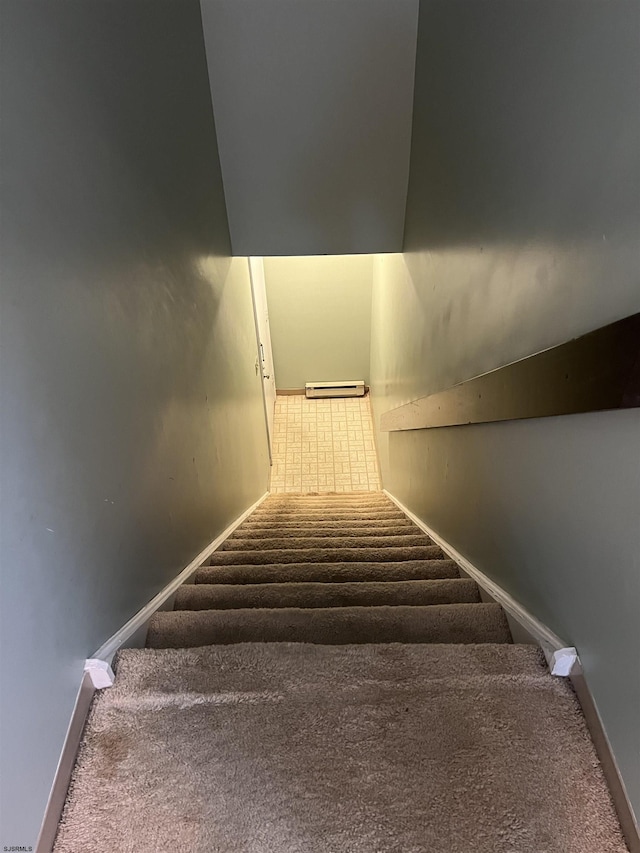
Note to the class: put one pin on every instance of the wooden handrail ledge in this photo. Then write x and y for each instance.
(598, 371)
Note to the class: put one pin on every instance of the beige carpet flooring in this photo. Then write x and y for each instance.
(221, 596)
(329, 572)
(329, 684)
(338, 749)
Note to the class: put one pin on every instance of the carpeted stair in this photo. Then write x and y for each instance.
(219, 596)
(330, 684)
(325, 600)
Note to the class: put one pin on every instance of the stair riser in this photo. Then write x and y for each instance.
(448, 623)
(346, 506)
(328, 572)
(326, 555)
(278, 595)
(340, 503)
(355, 525)
(296, 543)
(342, 498)
(302, 503)
(309, 506)
(330, 515)
(331, 532)
(358, 494)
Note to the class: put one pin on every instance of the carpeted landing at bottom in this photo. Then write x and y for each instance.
(330, 684)
(307, 748)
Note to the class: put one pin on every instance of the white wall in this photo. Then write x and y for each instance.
(132, 425)
(320, 315)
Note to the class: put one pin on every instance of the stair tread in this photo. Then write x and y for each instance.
(460, 748)
(328, 572)
(319, 510)
(327, 497)
(302, 505)
(438, 623)
(323, 524)
(309, 594)
(344, 499)
(248, 666)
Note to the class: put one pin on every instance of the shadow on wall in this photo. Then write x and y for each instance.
(178, 192)
(526, 123)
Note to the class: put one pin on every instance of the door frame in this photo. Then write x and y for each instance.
(253, 262)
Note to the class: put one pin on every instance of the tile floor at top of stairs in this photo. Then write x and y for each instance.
(323, 446)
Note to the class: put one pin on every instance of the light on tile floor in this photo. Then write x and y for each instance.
(323, 446)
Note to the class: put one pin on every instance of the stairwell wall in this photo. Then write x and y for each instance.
(313, 109)
(132, 417)
(320, 317)
(521, 233)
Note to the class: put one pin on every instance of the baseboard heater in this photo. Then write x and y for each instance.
(354, 388)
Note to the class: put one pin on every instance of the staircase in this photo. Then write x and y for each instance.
(330, 684)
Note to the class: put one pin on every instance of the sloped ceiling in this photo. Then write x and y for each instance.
(313, 107)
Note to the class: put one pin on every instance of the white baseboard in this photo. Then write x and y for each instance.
(533, 628)
(617, 788)
(64, 769)
(132, 634)
(136, 627)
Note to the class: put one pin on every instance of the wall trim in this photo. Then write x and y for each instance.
(60, 786)
(133, 633)
(549, 641)
(139, 622)
(617, 788)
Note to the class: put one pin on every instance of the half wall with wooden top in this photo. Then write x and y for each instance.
(595, 372)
